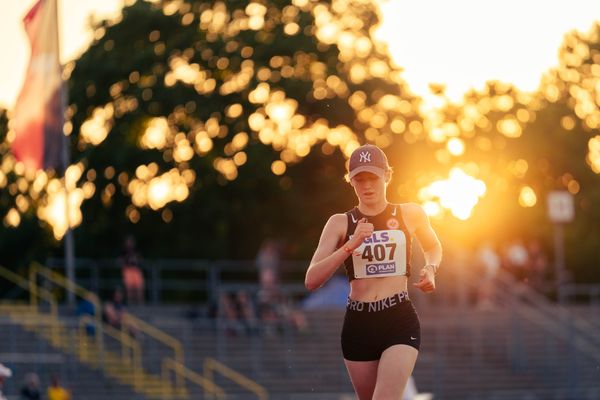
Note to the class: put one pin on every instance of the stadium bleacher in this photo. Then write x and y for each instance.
(518, 349)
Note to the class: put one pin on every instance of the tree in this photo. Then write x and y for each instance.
(21, 239)
(203, 127)
(524, 145)
(220, 102)
(573, 114)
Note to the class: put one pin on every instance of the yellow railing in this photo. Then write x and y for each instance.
(130, 349)
(210, 365)
(36, 292)
(176, 364)
(128, 319)
(35, 269)
(168, 364)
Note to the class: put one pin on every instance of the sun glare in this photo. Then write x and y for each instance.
(527, 197)
(459, 194)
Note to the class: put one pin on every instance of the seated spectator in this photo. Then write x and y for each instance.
(227, 315)
(295, 317)
(247, 312)
(269, 310)
(31, 387)
(276, 311)
(237, 313)
(56, 391)
(115, 311)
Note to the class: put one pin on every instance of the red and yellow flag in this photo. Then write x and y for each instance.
(38, 112)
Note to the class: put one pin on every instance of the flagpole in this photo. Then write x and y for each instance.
(69, 244)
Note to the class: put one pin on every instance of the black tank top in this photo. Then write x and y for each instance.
(389, 219)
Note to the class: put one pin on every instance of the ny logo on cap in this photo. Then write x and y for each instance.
(365, 156)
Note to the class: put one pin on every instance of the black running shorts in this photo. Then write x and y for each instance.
(371, 327)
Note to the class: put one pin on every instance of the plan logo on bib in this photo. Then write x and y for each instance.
(381, 268)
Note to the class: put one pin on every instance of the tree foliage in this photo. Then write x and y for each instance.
(231, 97)
(204, 127)
(543, 141)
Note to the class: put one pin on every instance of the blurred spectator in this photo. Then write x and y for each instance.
(31, 387)
(516, 259)
(114, 309)
(227, 314)
(268, 310)
(133, 278)
(538, 265)
(267, 261)
(247, 311)
(237, 313)
(269, 297)
(488, 262)
(297, 318)
(56, 391)
(114, 313)
(275, 308)
(4, 374)
(85, 308)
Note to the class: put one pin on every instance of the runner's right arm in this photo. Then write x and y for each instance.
(326, 258)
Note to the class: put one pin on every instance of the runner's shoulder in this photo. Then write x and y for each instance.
(412, 209)
(414, 215)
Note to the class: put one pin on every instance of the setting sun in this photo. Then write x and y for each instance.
(459, 194)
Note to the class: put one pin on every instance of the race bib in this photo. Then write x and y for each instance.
(383, 254)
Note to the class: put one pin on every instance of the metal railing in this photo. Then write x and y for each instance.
(555, 318)
(524, 305)
(35, 269)
(210, 365)
(175, 364)
(128, 319)
(184, 281)
(210, 388)
(521, 329)
(131, 353)
(589, 293)
(36, 292)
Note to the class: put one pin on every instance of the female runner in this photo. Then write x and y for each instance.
(381, 331)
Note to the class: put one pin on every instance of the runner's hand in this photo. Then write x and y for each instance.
(363, 230)
(426, 280)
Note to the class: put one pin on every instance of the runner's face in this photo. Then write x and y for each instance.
(369, 188)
